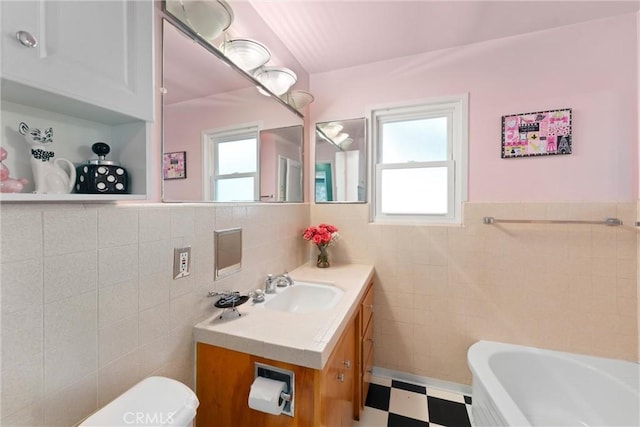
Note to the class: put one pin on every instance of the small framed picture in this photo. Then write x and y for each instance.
(541, 133)
(174, 165)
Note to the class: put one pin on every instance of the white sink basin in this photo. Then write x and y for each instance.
(304, 297)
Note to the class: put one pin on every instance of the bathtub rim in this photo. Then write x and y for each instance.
(480, 353)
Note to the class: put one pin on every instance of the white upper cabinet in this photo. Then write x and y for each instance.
(85, 69)
(97, 52)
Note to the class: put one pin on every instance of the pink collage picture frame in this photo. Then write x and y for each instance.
(174, 165)
(540, 133)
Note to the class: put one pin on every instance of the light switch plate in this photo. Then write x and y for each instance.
(181, 262)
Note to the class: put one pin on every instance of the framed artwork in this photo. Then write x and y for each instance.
(174, 165)
(541, 133)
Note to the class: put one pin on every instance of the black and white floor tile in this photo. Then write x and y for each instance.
(393, 403)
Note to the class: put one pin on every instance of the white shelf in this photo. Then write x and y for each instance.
(31, 197)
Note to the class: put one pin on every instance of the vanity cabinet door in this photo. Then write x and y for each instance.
(366, 345)
(338, 381)
(96, 52)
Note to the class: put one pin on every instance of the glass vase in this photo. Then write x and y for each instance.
(323, 257)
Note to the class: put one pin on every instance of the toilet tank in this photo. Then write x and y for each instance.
(154, 401)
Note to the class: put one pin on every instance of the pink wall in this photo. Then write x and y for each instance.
(589, 67)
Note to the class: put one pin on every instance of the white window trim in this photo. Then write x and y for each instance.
(458, 108)
(210, 153)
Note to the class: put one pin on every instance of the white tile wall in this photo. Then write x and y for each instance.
(89, 306)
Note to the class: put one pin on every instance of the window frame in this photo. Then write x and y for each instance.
(211, 140)
(455, 108)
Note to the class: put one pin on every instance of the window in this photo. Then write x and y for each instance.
(231, 165)
(420, 157)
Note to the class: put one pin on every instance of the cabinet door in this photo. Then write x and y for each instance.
(338, 379)
(98, 52)
(348, 369)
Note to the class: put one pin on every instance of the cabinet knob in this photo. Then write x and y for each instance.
(370, 340)
(26, 39)
(347, 363)
(340, 377)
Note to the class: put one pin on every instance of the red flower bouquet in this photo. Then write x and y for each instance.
(322, 236)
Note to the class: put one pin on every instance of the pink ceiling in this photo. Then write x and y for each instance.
(324, 35)
(313, 36)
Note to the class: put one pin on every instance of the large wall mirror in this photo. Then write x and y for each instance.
(341, 161)
(234, 143)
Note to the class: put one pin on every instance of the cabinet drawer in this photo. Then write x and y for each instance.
(367, 310)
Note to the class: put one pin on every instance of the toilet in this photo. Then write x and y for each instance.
(154, 401)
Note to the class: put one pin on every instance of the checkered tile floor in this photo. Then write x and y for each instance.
(392, 403)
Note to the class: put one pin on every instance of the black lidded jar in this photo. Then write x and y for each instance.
(101, 176)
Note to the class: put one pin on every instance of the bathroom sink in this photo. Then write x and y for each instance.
(304, 297)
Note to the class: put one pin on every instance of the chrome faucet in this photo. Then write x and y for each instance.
(270, 285)
(283, 280)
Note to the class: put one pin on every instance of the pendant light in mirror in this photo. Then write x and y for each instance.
(245, 53)
(277, 79)
(298, 99)
(330, 129)
(339, 138)
(346, 143)
(208, 18)
(332, 133)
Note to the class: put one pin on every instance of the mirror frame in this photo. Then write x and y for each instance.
(217, 53)
(364, 153)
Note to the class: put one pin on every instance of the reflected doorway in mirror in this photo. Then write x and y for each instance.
(341, 161)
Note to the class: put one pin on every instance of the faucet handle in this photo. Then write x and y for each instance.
(284, 280)
(269, 285)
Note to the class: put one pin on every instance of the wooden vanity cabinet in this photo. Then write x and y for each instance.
(331, 397)
(322, 398)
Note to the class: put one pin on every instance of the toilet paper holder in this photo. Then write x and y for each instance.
(279, 374)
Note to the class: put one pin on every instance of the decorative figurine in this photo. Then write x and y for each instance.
(101, 176)
(7, 184)
(49, 177)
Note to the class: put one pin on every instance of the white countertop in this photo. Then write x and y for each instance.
(301, 339)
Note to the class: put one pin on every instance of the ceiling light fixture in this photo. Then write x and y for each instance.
(277, 79)
(245, 53)
(299, 99)
(208, 18)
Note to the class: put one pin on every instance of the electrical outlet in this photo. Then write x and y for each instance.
(181, 262)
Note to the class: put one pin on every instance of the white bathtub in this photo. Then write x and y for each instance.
(524, 386)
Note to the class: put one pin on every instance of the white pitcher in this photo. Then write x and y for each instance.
(49, 175)
(51, 178)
